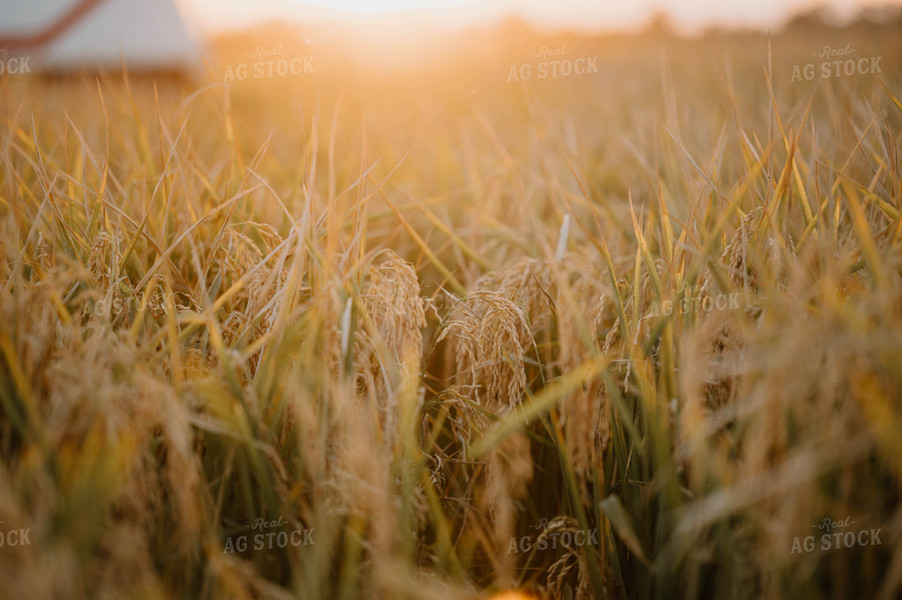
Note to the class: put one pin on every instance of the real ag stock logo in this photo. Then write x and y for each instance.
(267, 537)
(14, 65)
(269, 63)
(836, 62)
(553, 65)
(560, 532)
(832, 539)
(14, 537)
(696, 298)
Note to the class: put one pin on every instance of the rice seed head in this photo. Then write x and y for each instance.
(487, 328)
(100, 259)
(743, 271)
(391, 296)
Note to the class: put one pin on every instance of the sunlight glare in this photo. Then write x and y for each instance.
(370, 7)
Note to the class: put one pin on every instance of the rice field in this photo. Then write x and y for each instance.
(428, 327)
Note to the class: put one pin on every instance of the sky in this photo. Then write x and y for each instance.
(687, 15)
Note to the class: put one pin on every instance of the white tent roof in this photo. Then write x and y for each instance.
(74, 34)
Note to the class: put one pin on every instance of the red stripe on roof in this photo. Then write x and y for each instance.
(54, 31)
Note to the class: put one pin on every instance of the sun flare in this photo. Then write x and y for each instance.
(371, 7)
